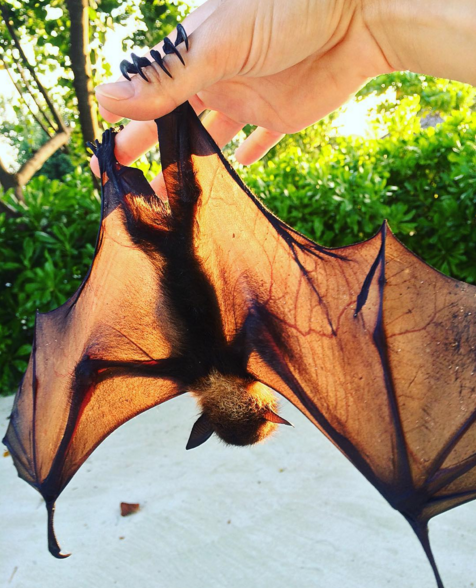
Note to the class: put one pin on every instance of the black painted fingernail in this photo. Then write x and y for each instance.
(182, 36)
(170, 48)
(158, 59)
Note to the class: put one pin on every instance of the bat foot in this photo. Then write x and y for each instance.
(105, 153)
(169, 48)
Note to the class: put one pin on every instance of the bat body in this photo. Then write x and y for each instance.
(211, 294)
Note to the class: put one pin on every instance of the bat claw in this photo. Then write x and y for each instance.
(157, 57)
(182, 36)
(170, 48)
(139, 63)
(135, 67)
(92, 147)
(53, 545)
(126, 68)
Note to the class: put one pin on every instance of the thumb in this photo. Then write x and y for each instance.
(213, 54)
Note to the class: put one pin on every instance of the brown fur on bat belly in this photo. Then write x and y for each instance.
(240, 411)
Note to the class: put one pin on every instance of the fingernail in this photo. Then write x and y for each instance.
(117, 91)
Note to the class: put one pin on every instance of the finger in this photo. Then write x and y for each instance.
(221, 127)
(136, 138)
(256, 145)
(108, 116)
(158, 185)
(213, 55)
(191, 22)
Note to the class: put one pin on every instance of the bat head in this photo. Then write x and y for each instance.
(240, 411)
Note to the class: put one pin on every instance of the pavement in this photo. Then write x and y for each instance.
(291, 512)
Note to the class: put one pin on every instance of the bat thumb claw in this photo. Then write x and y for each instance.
(57, 552)
(53, 545)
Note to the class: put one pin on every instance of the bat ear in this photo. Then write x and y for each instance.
(272, 417)
(202, 430)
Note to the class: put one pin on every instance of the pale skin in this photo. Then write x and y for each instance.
(284, 64)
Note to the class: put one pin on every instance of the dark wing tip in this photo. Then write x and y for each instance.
(56, 552)
(53, 545)
(421, 531)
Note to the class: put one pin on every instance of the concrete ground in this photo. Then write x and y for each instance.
(289, 513)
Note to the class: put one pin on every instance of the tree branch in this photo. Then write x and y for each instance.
(30, 167)
(31, 93)
(7, 179)
(31, 69)
(22, 98)
(81, 66)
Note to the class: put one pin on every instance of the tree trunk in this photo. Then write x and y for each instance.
(29, 168)
(7, 180)
(81, 66)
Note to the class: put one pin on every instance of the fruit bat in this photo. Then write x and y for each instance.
(209, 293)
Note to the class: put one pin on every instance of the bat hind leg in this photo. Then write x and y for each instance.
(105, 153)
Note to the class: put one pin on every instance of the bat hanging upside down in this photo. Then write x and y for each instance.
(210, 293)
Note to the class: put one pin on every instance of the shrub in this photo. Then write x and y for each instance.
(46, 250)
(422, 181)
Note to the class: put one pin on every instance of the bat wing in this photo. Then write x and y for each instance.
(96, 359)
(374, 346)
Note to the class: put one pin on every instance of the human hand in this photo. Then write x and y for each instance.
(276, 64)
(283, 65)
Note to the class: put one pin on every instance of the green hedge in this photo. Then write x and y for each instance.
(45, 252)
(337, 190)
(422, 181)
